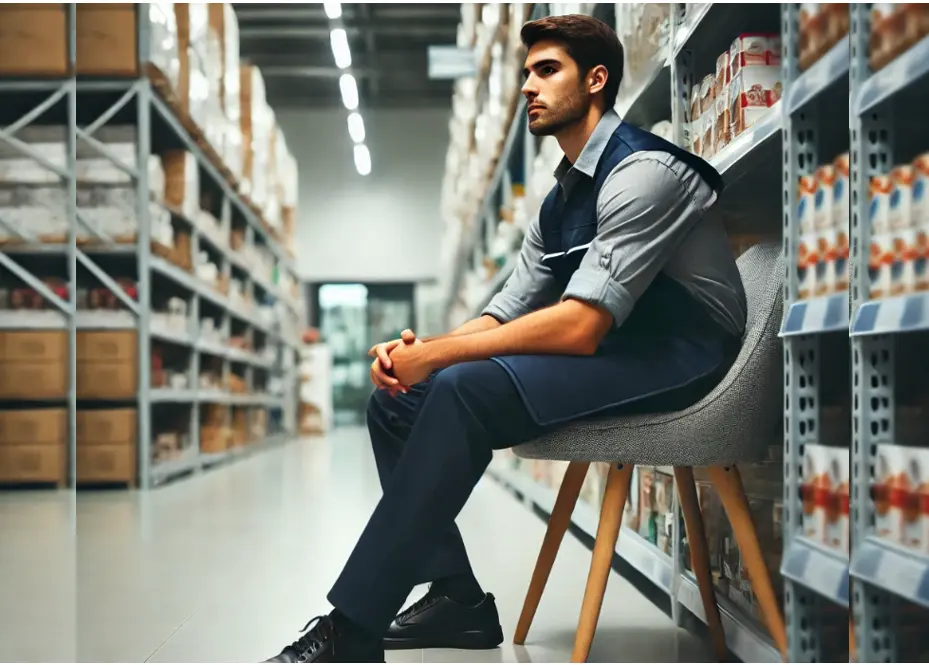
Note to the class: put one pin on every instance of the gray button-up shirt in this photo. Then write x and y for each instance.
(649, 219)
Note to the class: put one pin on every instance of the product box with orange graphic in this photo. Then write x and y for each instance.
(881, 252)
(807, 254)
(921, 221)
(902, 230)
(841, 221)
(817, 491)
(826, 237)
(892, 490)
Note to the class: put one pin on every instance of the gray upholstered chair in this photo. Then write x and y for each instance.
(731, 425)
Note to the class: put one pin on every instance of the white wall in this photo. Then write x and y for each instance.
(380, 227)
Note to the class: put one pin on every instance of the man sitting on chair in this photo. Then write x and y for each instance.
(624, 298)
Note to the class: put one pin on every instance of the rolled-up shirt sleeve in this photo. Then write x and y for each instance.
(530, 287)
(646, 207)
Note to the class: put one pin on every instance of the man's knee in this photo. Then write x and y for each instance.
(467, 383)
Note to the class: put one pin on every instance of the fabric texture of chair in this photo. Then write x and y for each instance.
(732, 424)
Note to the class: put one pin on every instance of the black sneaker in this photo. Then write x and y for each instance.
(438, 622)
(323, 644)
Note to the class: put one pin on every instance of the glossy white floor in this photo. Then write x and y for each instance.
(228, 565)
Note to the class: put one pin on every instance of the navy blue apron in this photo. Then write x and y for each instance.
(668, 353)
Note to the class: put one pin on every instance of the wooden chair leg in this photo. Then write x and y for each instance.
(852, 647)
(611, 515)
(728, 483)
(557, 526)
(700, 556)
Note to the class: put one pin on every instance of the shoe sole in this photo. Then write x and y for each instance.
(468, 641)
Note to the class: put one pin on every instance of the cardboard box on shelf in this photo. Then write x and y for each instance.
(33, 40)
(107, 364)
(182, 182)
(108, 426)
(821, 26)
(33, 463)
(106, 346)
(33, 427)
(33, 365)
(33, 346)
(214, 439)
(107, 39)
(106, 463)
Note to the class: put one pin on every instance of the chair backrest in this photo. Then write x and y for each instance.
(748, 404)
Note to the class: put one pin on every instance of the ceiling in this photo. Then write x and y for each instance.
(290, 43)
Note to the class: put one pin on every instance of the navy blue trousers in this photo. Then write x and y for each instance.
(431, 446)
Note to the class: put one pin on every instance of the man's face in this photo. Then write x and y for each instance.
(555, 89)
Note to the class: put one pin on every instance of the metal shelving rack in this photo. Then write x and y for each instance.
(138, 103)
(890, 584)
(30, 103)
(813, 574)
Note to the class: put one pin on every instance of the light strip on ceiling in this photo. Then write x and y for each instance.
(348, 86)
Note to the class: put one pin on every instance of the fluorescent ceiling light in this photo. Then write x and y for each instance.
(349, 91)
(333, 10)
(362, 159)
(340, 50)
(356, 127)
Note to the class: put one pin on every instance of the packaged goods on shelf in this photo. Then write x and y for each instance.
(822, 25)
(34, 364)
(33, 40)
(107, 39)
(899, 232)
(225, 25)
(168, 446)
(644, 29)
(825, 490)
(33, 199)
(894, 29)
(182, 182)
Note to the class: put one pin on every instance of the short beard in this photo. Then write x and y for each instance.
(571, 112)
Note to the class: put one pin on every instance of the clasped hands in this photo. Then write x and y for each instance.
(399, 363)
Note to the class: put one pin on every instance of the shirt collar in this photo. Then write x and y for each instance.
(590, 156)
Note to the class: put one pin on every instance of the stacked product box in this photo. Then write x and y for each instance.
(894, 29)
(33, 40)
(901, 482)
(35, 364)
(106, 446)
(822, 26)
(107, 39)
(899, 229)
(746, 84)
(107, 364)
(823, 220)
(33, 199)
(33, 444)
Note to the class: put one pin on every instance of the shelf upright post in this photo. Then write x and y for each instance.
(193, 377)
(143, 249)
(874, 610)
(801, 353)
(72, 245)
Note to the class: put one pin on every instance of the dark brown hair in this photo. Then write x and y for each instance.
(589, 42)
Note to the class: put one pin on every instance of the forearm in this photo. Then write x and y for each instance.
(480, 324)
(569, 328)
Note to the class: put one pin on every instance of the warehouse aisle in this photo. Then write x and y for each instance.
(229, 565)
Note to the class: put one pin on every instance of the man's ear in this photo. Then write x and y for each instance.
(596, 79)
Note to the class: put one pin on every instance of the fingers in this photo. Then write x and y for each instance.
(383, 356)
(408, 336)
(381, 378)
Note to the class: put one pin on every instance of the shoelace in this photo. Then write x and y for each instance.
(313, 638)
(418, 606)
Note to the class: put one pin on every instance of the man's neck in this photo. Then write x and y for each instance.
(573, 139)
